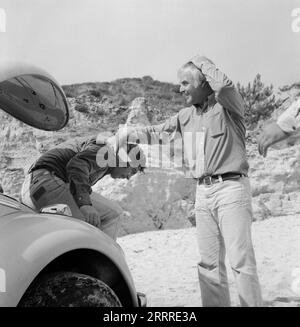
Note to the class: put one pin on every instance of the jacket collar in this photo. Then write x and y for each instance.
(210, 101)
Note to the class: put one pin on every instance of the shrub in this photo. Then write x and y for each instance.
(259, 100)
(101, 111)
(95, 93)
(82, 108)
(147, 79)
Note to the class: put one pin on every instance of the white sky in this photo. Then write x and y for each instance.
(101, 40)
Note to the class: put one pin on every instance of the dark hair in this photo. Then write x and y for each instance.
(135, 155)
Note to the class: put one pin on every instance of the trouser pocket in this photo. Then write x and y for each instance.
(42, 188)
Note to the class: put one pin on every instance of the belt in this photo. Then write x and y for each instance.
(42, 170)
(212, 179)
(40, 167)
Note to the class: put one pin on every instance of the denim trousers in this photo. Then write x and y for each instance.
(223, 224)
(42, 188)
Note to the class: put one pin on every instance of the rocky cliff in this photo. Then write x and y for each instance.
(162, 198)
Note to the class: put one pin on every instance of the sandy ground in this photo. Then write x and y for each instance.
(163, 263)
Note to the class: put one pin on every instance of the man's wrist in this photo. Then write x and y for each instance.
(83, 202)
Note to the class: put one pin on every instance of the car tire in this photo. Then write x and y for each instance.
(68, 289)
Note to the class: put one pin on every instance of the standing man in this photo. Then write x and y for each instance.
(287, 124)
(213, 133)
(66, 174)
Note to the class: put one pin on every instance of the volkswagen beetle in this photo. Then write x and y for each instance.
(48, 258)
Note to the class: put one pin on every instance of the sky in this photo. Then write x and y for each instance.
(101, 40)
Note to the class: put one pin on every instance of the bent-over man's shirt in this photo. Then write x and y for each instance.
(75, 162)
(214, 137)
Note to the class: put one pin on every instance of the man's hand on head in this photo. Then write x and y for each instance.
(270, 134)
(199, 59)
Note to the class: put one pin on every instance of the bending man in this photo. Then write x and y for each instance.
(66, 173)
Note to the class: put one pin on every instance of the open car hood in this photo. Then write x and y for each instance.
(33, 96)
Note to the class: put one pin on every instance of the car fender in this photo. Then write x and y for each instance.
(29, 242)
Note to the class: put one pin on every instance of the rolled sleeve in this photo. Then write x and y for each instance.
(153, 134)
(225, 91)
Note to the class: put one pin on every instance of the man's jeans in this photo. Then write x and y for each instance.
(42, 188)
(223, 220)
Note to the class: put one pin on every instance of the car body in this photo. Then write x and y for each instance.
(33, 244)
(37, 244)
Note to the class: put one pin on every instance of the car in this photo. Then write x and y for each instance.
(48, 258)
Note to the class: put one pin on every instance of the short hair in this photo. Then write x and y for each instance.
(135, 155)
(191, 66)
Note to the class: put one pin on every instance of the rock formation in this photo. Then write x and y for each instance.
(162, 198)
(138, 114)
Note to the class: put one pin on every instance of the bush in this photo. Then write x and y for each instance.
(259, 100)
(82, 108)
(147, 79)
(95, 93)
(101, 111)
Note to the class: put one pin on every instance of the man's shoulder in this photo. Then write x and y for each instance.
(185, 112)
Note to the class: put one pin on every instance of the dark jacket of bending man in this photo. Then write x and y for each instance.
(66, 174)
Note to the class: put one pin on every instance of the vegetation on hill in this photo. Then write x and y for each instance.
(102, 107)
(114, 98)
(260, 101)
(108, 103)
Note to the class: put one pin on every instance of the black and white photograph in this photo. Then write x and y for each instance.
(150, 155)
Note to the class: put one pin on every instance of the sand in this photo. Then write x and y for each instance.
(163, 264)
